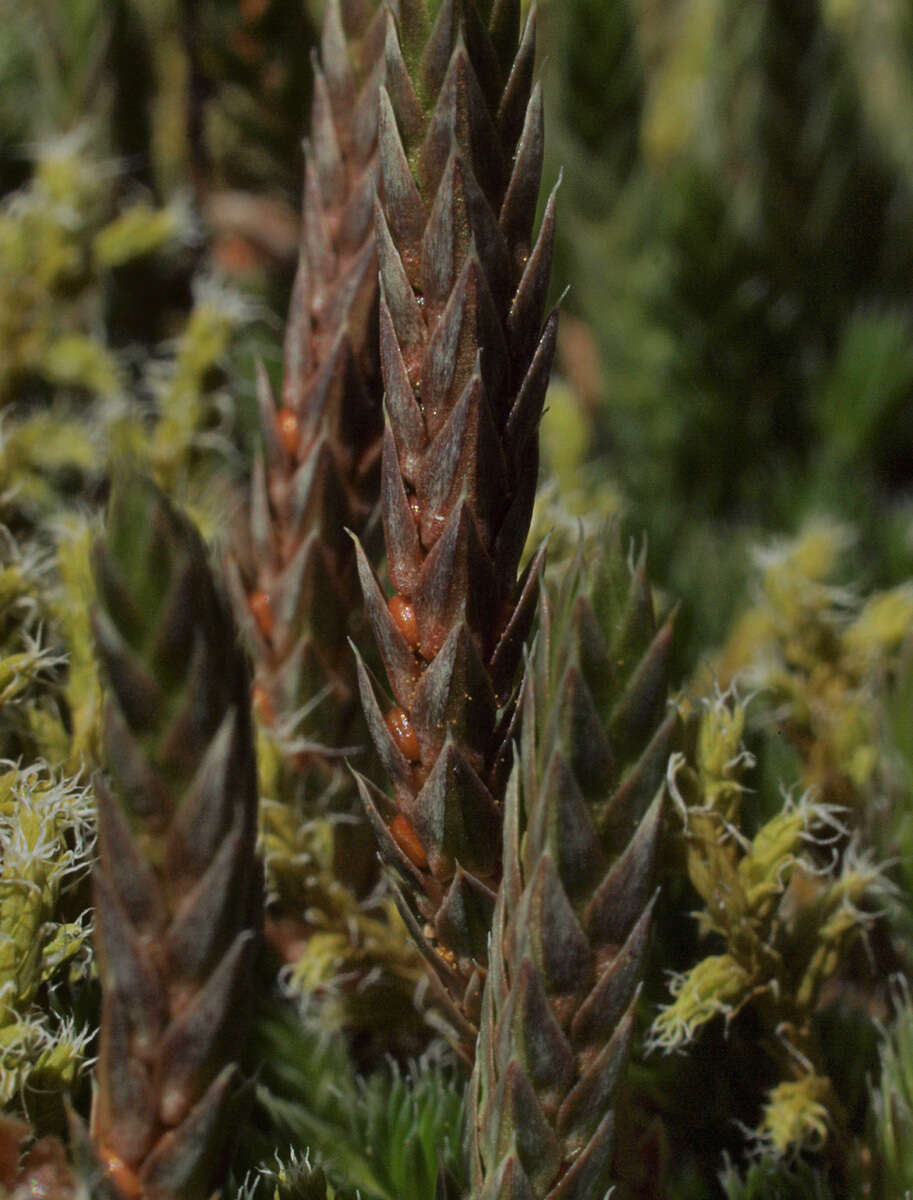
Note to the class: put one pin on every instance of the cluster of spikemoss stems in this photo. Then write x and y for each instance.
(465, 354)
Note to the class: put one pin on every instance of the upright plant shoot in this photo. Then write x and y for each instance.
(177, 884)
(465, 362)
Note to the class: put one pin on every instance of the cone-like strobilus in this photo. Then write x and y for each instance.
(319, 476)
(178, 887)
(582, 822)
(465, 359)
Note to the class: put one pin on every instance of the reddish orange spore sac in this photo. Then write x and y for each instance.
(406, 838)
(124, 1178)
(403, 734)
(262, 704)
(288, 430)
(403, 615)
(261, 608)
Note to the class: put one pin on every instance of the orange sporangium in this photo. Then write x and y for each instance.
(261, 608)
(403, 734)
(406, 838)
(124, 1178)
(288, 430)
(403, 615)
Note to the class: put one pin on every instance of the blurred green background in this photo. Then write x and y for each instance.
(738, 247)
